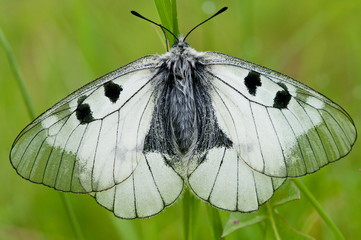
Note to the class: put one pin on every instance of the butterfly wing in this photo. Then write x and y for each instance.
(153, 186)
(279, 126)
(92, 139)
(224, 180)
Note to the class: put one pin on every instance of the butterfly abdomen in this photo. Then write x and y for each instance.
(174, 126)
(182, 108)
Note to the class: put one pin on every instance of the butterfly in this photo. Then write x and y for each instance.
(231, 130)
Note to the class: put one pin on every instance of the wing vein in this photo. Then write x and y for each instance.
(135, 198)
(306, 135)
(62, 154)
(30, 142)
(94, 158)
(155, 183)
(255, 187)
(316, 130)
(36, 157)
(298, 143)
(279, 142)
(51, 152)
(259, 142)
(215, 179)
(116, 148)
(145, 84)
(331, 115)
(75, 156)
(333, 138)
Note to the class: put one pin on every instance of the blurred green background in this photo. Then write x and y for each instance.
(61, 45)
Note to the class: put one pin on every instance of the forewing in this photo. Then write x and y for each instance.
(92, 139)
(153, 186)
(279, 127)
(224, 180)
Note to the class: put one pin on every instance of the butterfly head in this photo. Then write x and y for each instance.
(180, 44)
(181, 49)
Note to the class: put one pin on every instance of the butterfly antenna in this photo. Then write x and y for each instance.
(217, 13)
(163, 28)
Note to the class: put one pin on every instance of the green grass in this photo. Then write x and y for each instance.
(61, 45)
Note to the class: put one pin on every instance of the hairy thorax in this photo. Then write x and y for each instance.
(183, 120)
(181, 100)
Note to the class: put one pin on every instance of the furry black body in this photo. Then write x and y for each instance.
(184, 122)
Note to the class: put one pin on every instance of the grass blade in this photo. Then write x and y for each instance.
(69, 210)
(18, 77)
(187, 213)
(272, 221)
(216, 221)
(167, 11)
(175, 27)
(319, 208)
(32, 114)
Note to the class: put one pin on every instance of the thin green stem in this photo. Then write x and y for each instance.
(216, 221)
(194, 217)
(32, 114)
(318, 208)
(18, 77)
(273, 222)
(69, 210)
(187, 213)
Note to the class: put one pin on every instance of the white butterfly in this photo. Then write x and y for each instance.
(230, 129)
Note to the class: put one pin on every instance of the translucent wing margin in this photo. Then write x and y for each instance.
(92, 139)
(279, 126)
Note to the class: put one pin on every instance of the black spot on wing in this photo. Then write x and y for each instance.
(112, 91)
(252, 81)
(282, 85)
(81, 99)
(83, 113)
(281, 99)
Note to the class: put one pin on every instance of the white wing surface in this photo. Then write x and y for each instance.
(153, 186)
(92, 139)
(278, 126)
(225, 181)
